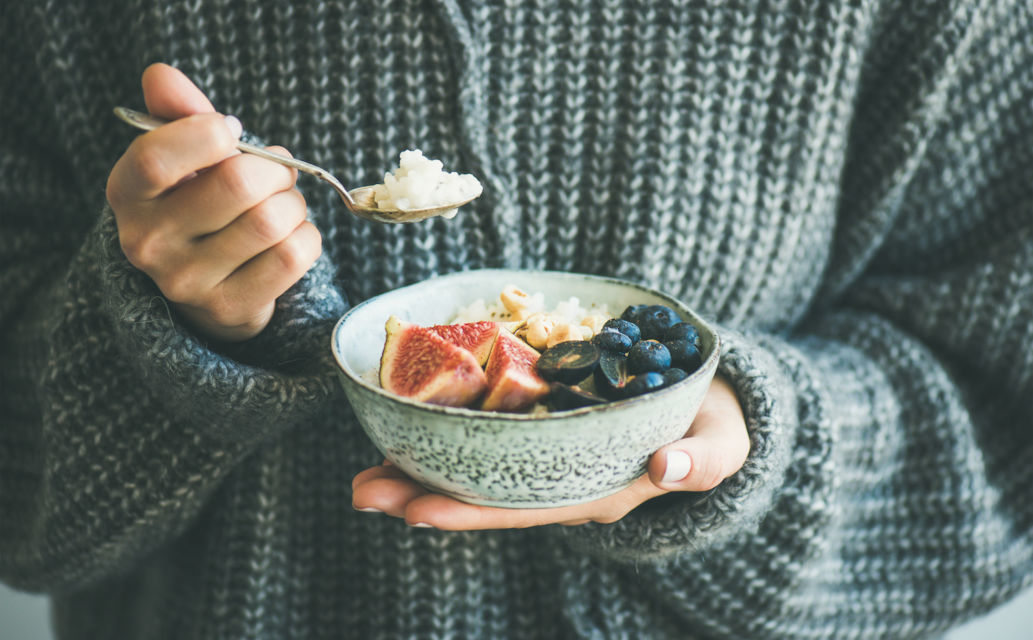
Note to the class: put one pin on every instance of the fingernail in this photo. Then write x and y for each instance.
(422, 525)
(234, 125)
(678, 465)
(369, 509)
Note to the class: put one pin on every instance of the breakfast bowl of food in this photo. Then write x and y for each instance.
(524, 389)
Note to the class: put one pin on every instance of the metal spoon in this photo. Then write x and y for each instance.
(359, 201)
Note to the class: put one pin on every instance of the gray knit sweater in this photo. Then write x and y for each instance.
(844, 186)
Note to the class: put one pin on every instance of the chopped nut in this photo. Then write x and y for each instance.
(523, 314)
(539, 326)
(514, 298)
(595, 322)
(564, 333)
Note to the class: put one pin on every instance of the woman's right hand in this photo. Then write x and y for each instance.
(221, 233)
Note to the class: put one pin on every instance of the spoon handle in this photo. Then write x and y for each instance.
(147, 122)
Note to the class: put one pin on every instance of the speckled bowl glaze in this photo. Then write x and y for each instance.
(503, 459)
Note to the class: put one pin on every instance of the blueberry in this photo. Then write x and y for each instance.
(648, 355)
(681, 331)
(643, 383)
(611, 340)
(563, 397)
(612, 374)
(626, 327)
(674, 375)
(632, 313)
(684, 354)
(655, 320)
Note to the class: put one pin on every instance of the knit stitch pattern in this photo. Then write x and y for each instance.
(843, 187)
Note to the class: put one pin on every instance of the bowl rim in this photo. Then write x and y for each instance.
(706, 369)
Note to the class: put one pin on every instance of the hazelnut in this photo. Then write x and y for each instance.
(564, 333)
(514, 298)
(595, 322)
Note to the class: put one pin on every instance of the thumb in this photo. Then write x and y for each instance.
(169, 94)
(690, 465)
(716, 446)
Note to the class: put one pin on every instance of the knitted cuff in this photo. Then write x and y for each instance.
(305, 315)
(681, 522)
(239, 392)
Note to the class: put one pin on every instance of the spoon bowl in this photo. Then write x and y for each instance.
(359, 201)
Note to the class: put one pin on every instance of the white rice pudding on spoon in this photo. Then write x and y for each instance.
(421, 183)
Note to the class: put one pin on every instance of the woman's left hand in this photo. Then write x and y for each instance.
(714, 447)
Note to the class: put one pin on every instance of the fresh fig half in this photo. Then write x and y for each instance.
(513, 383)
(475, 337)
(419, 364)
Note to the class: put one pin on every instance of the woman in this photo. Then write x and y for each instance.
(843, 188)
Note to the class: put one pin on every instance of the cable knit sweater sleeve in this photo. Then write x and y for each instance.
(118, 423)
(890, 429)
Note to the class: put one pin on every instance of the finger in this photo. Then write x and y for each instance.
(169, 94)
(160, 159)
(257, 229)
(216, 197)
(716, 447)
(387, 494)
(373, 473)
(189, 272)
(443, 512)
(258, 282)
(262, 227)
(164, 242)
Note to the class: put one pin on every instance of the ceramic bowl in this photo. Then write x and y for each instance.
(512, 459)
